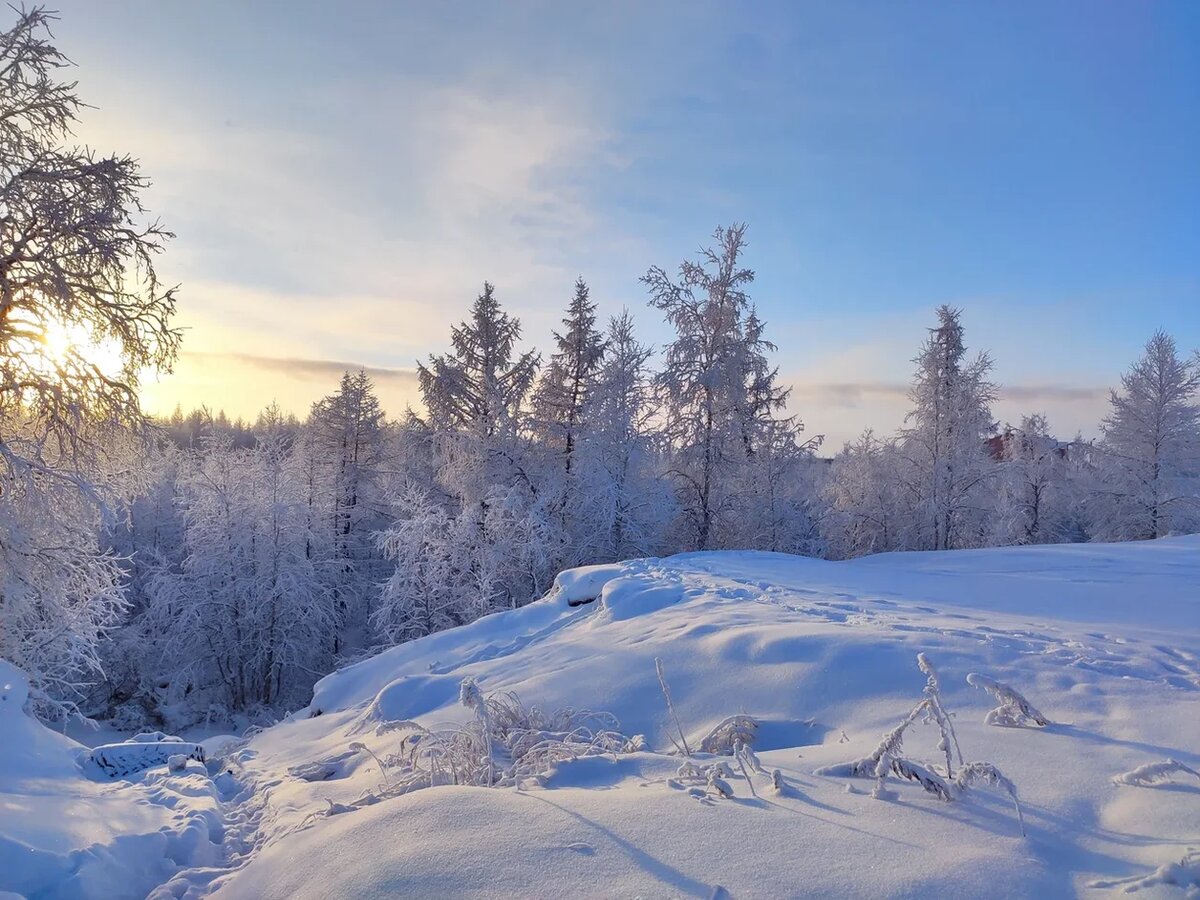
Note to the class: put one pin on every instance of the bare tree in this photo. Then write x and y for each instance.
(76, 272)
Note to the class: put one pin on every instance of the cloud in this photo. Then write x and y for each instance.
(852, 393)
(308, 369)
(242, 384)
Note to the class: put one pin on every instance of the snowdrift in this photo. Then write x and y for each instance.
(1103, 641)
(68, 830)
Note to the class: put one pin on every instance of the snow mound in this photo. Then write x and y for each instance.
(778, 667)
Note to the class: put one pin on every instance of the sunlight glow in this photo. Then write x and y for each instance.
(64, 344)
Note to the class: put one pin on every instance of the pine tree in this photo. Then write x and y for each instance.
(1151, 447)
(944, 461)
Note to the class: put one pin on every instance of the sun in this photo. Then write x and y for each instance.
(67, 343)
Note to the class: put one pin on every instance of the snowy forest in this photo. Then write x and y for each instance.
(192, 569)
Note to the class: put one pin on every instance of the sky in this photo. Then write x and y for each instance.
(342, 178)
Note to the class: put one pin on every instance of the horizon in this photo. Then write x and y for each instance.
(1033, 166)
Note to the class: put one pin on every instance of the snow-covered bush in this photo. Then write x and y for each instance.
(732, 732)
(1012, 710)
(888, 757)
(506, 743)
(1183, 874)
(1155, 773)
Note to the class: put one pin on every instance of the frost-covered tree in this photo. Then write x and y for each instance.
(76, 274)
(944, 463)
(567, 379)
(475, 396)
(719, 394)
(347, 441)
(1151, 448)
(242, 622)
(558, 420)
(624, 504)
(1037, 500)
(865, 514)
(422, 595)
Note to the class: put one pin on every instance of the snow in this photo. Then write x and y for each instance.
(1103, 639)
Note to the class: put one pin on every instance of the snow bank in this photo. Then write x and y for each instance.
(821, 655)
(65, 835)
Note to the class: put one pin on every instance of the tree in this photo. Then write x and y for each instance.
(1151, 447)
(944, 460)
(566, 383)
(1036, 500)
(76, 274)
(423, 594)
(474, 397)
(242, 622)
(865, 512)
(346, 441)
(624, 506)
(719, 393)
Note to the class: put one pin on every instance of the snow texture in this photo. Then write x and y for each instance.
(820, 656)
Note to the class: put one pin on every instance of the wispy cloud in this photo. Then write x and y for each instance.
(322, 369)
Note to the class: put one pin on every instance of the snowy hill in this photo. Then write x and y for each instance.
(1103, 639)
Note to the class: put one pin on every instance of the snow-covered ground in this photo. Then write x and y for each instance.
(1103, 639)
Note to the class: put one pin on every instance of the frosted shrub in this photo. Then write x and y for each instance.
(506, 743)
(888, 757)
(1012, 710)
(1183, 874)
(986, 773)
(1155, 773)
(937, 713)
(731, 732)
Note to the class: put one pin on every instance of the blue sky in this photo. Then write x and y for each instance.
(342, 180)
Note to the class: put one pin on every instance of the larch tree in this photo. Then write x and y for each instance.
(944, 459)
(718, 393)
(566, 381)
(558, 409)
(82, 313)
(1151, 447)
(347, 436)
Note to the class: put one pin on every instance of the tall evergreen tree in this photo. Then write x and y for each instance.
(719, 394)
(473, 396)
(347, 432)
(566, 382)
(944, 460)
(1151, 447)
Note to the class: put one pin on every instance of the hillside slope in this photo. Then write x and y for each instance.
(1104, 639)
